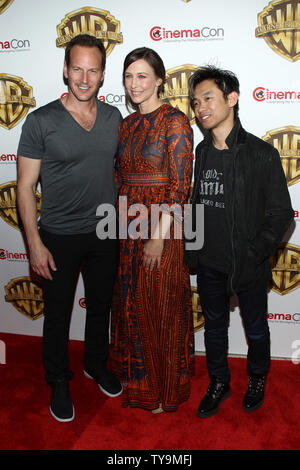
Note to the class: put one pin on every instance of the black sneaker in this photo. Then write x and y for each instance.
(107, 382)
(61, 406)
(216, 393)
(255, 394)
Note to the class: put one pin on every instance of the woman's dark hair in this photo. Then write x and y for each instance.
(225, 80)
(85, 40)
(153, 59)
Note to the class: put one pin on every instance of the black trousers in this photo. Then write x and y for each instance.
(97, 261)
(215, 302)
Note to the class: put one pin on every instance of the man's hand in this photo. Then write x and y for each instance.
(40, 256)
(41, 259)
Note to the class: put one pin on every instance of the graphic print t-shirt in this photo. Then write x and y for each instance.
(216, 249)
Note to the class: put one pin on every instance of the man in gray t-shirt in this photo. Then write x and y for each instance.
(76, 169)
(70, 145)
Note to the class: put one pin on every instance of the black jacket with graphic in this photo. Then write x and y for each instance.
(257, 204)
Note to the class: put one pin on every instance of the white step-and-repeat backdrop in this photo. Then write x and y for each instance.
(257, 39)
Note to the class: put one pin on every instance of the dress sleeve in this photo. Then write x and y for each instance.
(180, 159)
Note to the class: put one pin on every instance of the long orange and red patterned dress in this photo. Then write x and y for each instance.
(152, 336)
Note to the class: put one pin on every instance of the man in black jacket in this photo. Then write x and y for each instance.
(247, 210)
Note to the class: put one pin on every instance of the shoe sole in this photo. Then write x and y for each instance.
(103, 389)
(62, 420)
(253, 408)
(213, 412)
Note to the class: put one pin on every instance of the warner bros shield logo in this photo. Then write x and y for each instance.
(287, 141)
(8, 204)
(176, 91)
(197, 310)
(4, 4)
(279, 26)
(93, 21)
(15, 100)
(286, 269)
(26, 296)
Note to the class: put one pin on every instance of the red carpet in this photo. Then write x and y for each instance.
(101, 423)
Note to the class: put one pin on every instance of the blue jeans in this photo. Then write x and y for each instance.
(212, 287)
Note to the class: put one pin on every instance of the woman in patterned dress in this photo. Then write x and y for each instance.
(152, 337)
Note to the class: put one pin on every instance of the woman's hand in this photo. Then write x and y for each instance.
(152, 254)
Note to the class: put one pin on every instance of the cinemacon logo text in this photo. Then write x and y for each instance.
(288, 317)
(10, 256)
(15, 44)
(110, 98)
(264, 94)
(158, 33)
(8, 157)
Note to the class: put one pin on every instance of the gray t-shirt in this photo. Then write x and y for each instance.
(77, 168)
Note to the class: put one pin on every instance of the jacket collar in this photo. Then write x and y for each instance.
(236, 136)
